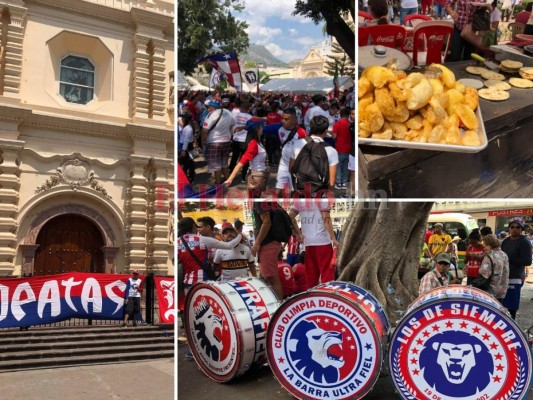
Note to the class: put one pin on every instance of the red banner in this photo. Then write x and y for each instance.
(165, 296)
(507, 213)
(52, 298)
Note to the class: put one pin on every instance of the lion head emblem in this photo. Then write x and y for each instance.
(456, 364)
(316, 353)
(206, 324)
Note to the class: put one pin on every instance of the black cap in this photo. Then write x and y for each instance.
(185, 225)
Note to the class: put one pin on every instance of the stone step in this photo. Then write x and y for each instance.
(75, 330)
(57, 362)
(77, 352)
(82, 344)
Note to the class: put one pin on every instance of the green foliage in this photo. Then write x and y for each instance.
(263, 77)
(331, 12)
(207, 24)
(250, 64)
(339, 57)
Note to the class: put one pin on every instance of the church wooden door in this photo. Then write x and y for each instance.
(69, 243)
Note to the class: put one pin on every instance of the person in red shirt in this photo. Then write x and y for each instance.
(286, 276)
(473, 256)
(429, 232)
(299, 274)
(293, 250)
(343, 145)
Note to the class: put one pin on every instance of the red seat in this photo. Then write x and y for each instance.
(437, 36)
(414, 19)
(364, 16)
(387, 35)
(362, 36)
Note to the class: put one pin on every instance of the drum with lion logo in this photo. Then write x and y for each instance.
(328, 342)
(226, 325)
(459, 342)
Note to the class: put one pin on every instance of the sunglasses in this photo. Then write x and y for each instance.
(443, 263)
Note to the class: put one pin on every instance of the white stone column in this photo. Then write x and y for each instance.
(13, 49)
(9, 202)
(136, 218)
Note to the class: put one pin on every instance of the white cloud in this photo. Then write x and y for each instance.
(307, 41)
(262, 34)
(286, 54)
(293, 32)
(259, 10)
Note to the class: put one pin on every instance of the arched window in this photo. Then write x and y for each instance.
(77, 80)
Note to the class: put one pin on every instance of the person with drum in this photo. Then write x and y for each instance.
(437, 277)
(236, 262)
(193, 250)
(495, 260)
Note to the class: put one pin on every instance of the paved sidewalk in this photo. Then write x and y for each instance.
(128, 381)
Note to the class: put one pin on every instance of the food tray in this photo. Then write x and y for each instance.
(404, 144)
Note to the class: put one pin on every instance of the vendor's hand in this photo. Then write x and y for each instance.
(334, 243)
(300, 238)
(227, 182)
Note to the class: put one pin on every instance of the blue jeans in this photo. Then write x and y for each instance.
(406, 11)
(342, 168)
(439, 11)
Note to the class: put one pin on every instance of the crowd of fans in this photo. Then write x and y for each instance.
(245, 138)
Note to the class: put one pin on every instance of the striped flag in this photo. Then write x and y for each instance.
(227, 63)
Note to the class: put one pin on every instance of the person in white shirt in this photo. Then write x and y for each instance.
(289, 127)
(133, 301)
(216, 139)
(234, 263)
(238, 145)
(318, 130)
(319, 239)
(318, 101)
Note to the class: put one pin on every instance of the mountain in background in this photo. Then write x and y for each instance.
(261, 56)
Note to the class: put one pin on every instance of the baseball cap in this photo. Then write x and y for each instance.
(456, 238)
(518, 222)
(225, 100)
(213, 103)
(186, 224)
(443, 257)
(135, 271)
(439, 224)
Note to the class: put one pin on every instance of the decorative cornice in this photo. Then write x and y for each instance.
(150, 18)
(137, 131)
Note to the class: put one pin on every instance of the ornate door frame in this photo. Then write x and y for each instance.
(30, 246)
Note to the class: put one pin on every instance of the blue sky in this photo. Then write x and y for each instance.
(272, 24)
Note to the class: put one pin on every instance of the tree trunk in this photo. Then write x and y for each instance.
(380, 251)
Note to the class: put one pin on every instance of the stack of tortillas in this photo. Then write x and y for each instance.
(526, 72)
(521, 83)
(510, 66)
(493, 94)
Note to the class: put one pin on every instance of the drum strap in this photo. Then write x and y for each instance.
(210, 275)
(441, 281)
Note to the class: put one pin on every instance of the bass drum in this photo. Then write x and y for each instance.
(328, 342)
(459, 342)
(226, 325)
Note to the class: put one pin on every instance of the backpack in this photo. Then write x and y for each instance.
(311, 167)
(281, 228)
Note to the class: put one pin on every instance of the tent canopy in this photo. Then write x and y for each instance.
(323, 84)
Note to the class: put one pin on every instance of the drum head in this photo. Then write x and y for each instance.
(226, 324)
(323, 346)
(459, 349)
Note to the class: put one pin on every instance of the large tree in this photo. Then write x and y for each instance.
(380, 251)
(339, 59)
(331, 12)
(207, 24)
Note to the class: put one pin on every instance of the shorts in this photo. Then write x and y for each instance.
(268, 259)
(512, 297)
(133, 306)
(351, 163)
(217, 156)
(283, 180)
